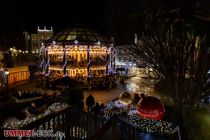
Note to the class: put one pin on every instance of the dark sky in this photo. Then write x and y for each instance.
(58, 13)
(120, 19)
(112, 18)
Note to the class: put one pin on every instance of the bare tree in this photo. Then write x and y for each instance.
(180, 57)
(175, 43)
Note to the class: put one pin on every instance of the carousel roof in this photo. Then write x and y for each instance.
(78, 34)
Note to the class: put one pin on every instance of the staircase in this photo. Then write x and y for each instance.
(79, 125)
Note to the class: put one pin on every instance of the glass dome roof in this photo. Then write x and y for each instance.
(78, 33)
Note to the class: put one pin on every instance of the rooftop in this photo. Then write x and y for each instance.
(80, 34)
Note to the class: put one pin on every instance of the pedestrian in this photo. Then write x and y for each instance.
(90, 102)
(97, 109)
(136, 98)
(102, 106)
(102, 110)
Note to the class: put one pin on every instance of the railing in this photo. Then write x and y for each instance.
(120, 129)
(127, 130)
(79, 125)
(18, 76)
(74, 123)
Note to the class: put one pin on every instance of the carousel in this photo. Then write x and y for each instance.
(77, 52)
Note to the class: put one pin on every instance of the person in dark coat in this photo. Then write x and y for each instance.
(90, 102)
(97, 109)
(136, 98)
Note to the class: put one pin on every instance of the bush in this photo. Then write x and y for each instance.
(196, 124)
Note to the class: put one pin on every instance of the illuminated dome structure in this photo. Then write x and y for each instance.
(125, 98)
(77, 52)
(150, 107)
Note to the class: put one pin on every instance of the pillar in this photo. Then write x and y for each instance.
(46, 60)
(46, 66)
(112, 57)
(88, 65)
(64, 61)
(107, 61)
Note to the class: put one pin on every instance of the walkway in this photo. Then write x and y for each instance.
(138, 84)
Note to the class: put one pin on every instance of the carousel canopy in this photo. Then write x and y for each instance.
(78, 34)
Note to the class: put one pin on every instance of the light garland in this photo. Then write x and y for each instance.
(146, 125)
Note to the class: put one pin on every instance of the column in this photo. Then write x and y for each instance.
(46, 60)
(107, 60)
(46, 66)
(112, 57)
(88, 65)
(64, 61)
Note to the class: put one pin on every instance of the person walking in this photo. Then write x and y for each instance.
(102, 110)
(90, 102)
(97, 109)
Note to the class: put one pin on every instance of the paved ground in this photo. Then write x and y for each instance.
(138, 84)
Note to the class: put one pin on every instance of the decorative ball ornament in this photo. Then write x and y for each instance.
(150, 107)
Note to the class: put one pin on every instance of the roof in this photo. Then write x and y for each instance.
(79, 33)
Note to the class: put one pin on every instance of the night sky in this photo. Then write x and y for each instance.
(58, 13)
(112, 18)
(120, 19)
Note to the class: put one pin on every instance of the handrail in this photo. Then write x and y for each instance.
(132, 128)
(42, 120)
(112, 122)
(104, 129)
(29, 99)
(74, 123)
(18, 76)
(126, 121)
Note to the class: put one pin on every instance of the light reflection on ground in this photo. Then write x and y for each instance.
(138, 84)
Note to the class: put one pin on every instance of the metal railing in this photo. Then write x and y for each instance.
(74, 123)
(120, 128)
(18, 76)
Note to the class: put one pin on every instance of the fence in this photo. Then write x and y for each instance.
(116, 128)
(74, 123)
(18, 76)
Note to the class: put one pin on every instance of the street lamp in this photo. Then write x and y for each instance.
(7, 74)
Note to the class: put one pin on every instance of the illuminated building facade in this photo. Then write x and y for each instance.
(38, 38)
(77, 52)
